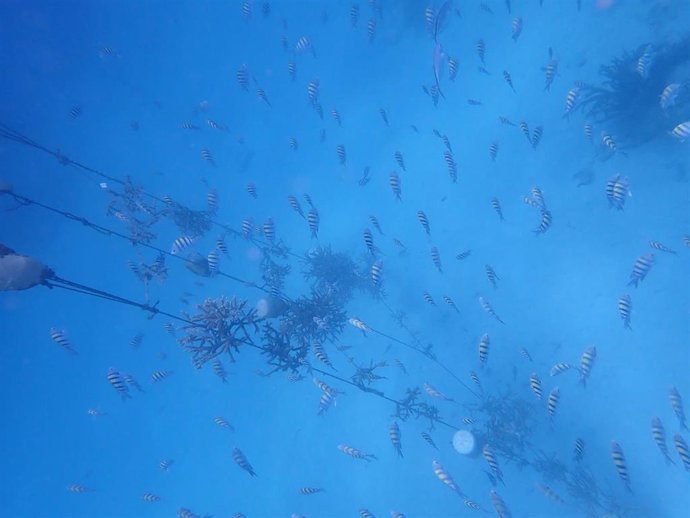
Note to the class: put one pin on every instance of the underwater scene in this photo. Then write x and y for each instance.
(345, 259)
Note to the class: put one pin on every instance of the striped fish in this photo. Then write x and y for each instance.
(535, 384)
(496, 205)
(545, 223)
(375, 222)
(116, 381)
(683, 450)
(489, 309)
(445, 477)
(450, 302)
(641, 268)
(586, 364)
(559, 368)
(499, 505)
(159, 376)
(484, 344)
(294, 203)
(617, 191)
(429, 440)
(493, 150)
(435, 393)
(491, 275)
(394, 434)
(579, 449)
(552, 402)
(681, 132)
(516, 27)
(398, 156)
(313, 220)
(618, 458)
(321, 355)
(475, 378)
(78, 488)
(436, 258)
(676, 401)
(536, 136)
(182, 243)
(424, 221)
(490, 458)
(549, 493)
(624, 310)
(219, 370)
(207, 156)
(310, 490)
(223, 423)
(60, 337)
(150, 497)
(394, 182)
(242, 461)
(355, 453)
(165, 464)
(342, 155)
(659, 436)
(656, 245)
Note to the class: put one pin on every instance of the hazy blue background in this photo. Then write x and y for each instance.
(557, 294)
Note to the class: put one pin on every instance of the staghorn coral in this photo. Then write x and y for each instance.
(221, 326)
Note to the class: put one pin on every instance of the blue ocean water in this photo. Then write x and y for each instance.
(166, 94)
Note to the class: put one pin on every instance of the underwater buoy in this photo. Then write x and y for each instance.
(465, 443)
(270, 307)
(19, 272)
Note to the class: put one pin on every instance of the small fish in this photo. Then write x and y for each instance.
(683, 450)
(292, 69)
(579, 449)
(269, 230)
(491, 275)
(321, 355)
(354, 15)
(571, 100)
(552, 402)
(480, 48)
(588, 131)
(78, 488)
(624, 310)
(536, 136)
(369, 241)
(550, 72)
(398, 156)
(549, 493)
(309, 490)
(75, 112)
(165, 464)
(516, 27)
(313, 220)
(219, 370)
(493, 150)
(490, 458)
(508, 79)
(463, 255)
(436, 258)
(524, 128)
(429, 440)
(609, 142)
(251, 190)
(150, 497)
(484, 344)
(677, 404)
(394, 182)
(475, 378)
(618, 458)
(242, 461)
(304, 45)
(450, 302)
(435, 393)
(359, 324)
(452, 68)
(645, 62)
(375, 222)
(525, 354)
(662, 247)
(384, 115)
(445, 477)
(487, 307)
(424, 221)
(586, 363)
(394, 434)
(181, 243)
(618, 191)
(116, 381)
(641, 268)
(452, 166)
(496, 205)
(559, 368)
(342, 155)
(355, 453)
(336, 117)
(223, 423)
(659, 436)
(668, 97)
(545, 223)
(535, 384)
(681, 132)
(160, 375)
(61, 338)
(499, 505)
(242, 76)
(371, 30)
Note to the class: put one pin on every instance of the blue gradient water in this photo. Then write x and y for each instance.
(557, 292)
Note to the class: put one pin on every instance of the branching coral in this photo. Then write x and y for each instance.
(221, 326)
(332, 272)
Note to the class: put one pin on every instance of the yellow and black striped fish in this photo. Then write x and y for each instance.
(683, 451)
(484, 344)
(499, 505)
(445, 477)
(641, 268)
(618, 458)
(676, 401)
(659, 436)
(586, 363)
(552, 402)
(242, 461)
(394, 434)
(535, 384)
(624, 310)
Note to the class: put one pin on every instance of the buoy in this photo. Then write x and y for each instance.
(464, 442)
